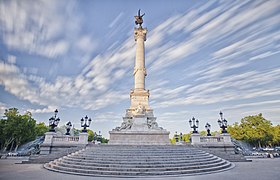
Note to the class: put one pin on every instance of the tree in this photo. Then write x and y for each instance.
(16, 129)
(185, 138)
(41, 128)
(276, 135)
(90, 135)
(255, 130)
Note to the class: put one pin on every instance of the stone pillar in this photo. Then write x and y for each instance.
(46, 146)
(227, 139)
(83, 138)
(49, 137)
(139, 69)
(195, 139)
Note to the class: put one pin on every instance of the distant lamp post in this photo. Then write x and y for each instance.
(176, 137)
(85, 123)
(208, 127)
(99, 136)
(181, 137)
(222, 123)
(194, 124)
(53, 121)
(95, 137)
(68, 127)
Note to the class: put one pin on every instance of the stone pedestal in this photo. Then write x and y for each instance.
(195, 139)
(83, 138)
(45, 147)
(227, 139)
(54, 143)
(139, 137)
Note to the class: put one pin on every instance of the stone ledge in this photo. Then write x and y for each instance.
(152, 137)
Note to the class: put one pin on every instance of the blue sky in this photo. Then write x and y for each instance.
(201, 57)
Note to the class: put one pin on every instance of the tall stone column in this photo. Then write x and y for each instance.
(139, 69)
(139, 126)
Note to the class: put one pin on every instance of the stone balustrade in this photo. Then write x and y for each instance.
(67, 139)
(54, 142)
(197, 139)
(211, 139)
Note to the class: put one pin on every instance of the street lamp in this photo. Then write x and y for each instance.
(85, 123)
(99, 136)
(176, 137)
(181, 137)
(53, 121)
(194, 124)
(222, 123)
(68, 127)
(208, 127)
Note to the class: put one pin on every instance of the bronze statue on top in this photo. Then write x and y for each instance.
(139, 19)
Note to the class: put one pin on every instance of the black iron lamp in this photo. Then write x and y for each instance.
(176, 137)
(53, 121)
(85, 123)
(208, 127)
(68, 127)
(194, 124)
(222, 123)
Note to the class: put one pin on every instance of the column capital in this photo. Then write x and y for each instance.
(140, 33)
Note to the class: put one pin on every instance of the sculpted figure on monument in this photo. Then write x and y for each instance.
(139, 18)
(152, 124)
(126, 124)
(140, 109)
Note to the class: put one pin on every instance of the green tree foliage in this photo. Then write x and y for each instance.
(41, 128)
(276, 135)
(255, 130)
(185, 138)
(90, 135)
(16, 129)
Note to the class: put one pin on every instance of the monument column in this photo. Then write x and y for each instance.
(139, 126)
(139, 69)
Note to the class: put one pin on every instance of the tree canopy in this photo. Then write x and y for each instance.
(256, 130)
(16, 129)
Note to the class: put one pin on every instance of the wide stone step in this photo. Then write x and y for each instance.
(141, 161)
(138, 161)
(143, 165)
(138, 174)
(147, 155)
(141, 169)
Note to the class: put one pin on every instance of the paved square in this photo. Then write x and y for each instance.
(258, 169)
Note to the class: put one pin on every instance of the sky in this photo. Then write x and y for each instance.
(202, 57)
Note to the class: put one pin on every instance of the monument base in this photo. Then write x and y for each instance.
(153, 137)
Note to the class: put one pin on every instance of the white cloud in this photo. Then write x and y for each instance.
(27, 27)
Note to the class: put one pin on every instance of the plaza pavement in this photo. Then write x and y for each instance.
(258, 169)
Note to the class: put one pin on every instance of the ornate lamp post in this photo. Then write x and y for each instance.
(95, 137)
(68, 127)
(176, 137)
(85, 123)
(194, 124)
(99, 136)
(208, 127)
(53, 121)
(181, 137)
(222, 123)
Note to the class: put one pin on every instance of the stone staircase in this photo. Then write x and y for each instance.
(138, 161)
